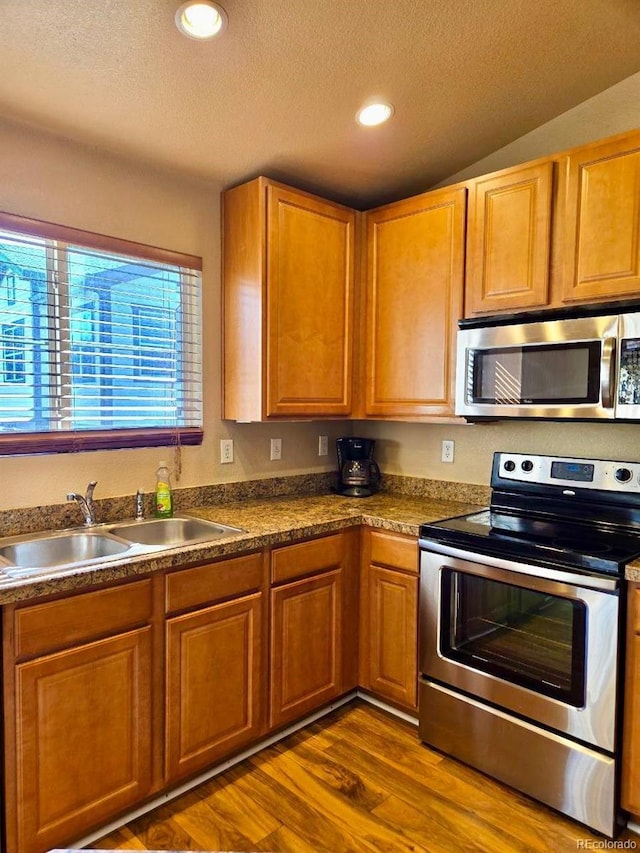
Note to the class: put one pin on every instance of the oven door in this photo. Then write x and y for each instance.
(553, 369)
(544, 648)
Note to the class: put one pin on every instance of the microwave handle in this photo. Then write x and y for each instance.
(607, 371)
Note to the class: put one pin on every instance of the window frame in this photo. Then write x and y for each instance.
(102, 439)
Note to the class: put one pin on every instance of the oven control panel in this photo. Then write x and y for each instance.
(603, 474)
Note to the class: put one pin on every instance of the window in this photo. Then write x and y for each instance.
(13, 360)
(10, 284)
(100, 342)
(153, 336)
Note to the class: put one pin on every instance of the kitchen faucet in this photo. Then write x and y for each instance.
(86, 503)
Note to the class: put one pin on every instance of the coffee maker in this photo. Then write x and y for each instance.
(358, 474)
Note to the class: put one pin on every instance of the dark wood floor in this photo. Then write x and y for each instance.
(356, 780)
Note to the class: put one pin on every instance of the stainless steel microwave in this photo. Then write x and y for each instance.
(585, 368)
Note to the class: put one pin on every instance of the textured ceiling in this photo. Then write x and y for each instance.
(277, 93)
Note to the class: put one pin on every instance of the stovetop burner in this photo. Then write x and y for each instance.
(539, 515)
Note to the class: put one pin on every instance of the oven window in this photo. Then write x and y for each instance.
(520, 635)
(542, 373)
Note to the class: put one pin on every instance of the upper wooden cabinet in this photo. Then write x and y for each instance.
(601, 234)
(288, 282)
(414, 283)
(509, 240)
(559, 232)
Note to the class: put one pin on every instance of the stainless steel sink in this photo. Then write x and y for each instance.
(172, 532)
(44, 553)
(70, 547)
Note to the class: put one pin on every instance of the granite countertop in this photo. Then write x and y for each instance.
(265, 522)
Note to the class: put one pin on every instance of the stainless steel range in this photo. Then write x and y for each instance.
(520, 630)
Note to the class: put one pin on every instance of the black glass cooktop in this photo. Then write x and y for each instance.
(587, 547)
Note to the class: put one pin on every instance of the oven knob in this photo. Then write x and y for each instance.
(527, 465)
(509, 465)
(623, 475)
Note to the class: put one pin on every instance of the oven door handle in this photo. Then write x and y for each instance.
(541, 573)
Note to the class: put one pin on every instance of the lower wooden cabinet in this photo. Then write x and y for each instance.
(115, 694)
(631, 731)
(215, 657)
(313, 625)
(214, 683)
(389, 617)
(78, 721)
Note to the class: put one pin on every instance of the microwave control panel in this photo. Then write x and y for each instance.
(629, 372)
(627, 390)
(602, 474)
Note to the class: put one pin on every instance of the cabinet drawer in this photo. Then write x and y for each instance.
(306, 558)
(394, 550)
(79, 618)
(213, 582)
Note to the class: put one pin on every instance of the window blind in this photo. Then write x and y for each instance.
(97, 348)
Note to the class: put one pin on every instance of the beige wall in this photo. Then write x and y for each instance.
(46, 178)
(615, 110)
(415, 449)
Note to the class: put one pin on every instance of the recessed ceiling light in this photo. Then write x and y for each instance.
(201, 20)
(374, 114)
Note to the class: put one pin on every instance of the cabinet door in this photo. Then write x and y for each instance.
(389, 617)
(509, 240)
(631, 728)
(306, 646)
(310, 274)
(393, 633)
(214, 683)
(83, 746)
(602, 214)
(415, 272)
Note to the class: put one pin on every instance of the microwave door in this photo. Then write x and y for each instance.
(627, 392)
(556, 369)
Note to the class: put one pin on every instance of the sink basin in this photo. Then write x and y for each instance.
(172, 532)
(60, 550)
(27, 555)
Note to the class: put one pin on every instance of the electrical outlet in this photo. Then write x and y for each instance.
(276, 449)
(226, 450)
(323, 445)
(448, 448)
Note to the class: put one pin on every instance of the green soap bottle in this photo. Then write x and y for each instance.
(164, 497)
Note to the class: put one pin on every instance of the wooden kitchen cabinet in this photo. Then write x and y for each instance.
(630, 798)
(414, 286)
(557, 232)
(215, 662)
(509, 240)
(288, 290)
(79, 696)
(601, 234)
(314, 624)
(389, 617)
